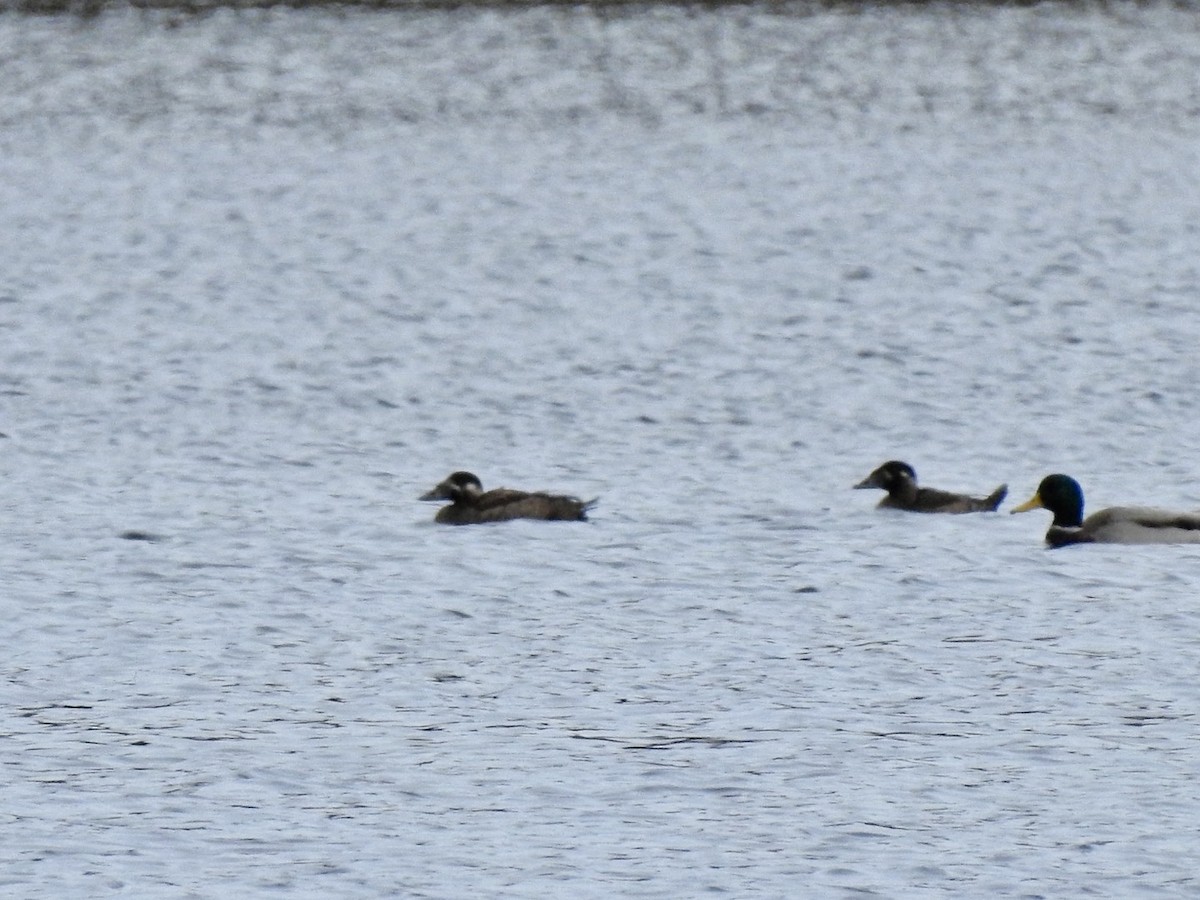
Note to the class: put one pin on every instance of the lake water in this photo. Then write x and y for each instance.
(268, 276)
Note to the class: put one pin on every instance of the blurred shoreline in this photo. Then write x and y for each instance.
(88, 8)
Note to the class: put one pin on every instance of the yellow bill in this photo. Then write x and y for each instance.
(1034, 502)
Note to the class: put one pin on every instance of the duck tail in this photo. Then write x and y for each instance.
(996, 497)
(587, 507)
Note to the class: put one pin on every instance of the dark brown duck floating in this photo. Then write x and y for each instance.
(900, 481)
(471, 505)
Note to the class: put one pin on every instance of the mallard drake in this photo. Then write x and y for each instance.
(1062, 495)
(900, 481)
(471, 505)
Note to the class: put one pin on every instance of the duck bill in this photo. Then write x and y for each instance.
(865, 483)
(1034, 502)
(437, 493)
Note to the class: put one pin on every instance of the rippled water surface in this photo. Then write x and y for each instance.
(268, 276)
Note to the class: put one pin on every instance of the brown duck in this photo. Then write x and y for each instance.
(470, 504)
(900, 481)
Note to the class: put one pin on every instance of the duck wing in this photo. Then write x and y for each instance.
(1142, 525)
(498, 498)
(934, 500)
(502, 504)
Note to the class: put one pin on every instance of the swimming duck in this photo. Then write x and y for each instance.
(1062, 495)
(471, 505)
(900, 481)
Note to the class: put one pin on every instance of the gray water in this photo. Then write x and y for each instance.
(268, 276)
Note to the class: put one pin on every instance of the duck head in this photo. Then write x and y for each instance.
(457, 486)
(1062, 495)
(895, 477)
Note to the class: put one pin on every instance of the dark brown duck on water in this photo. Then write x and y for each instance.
(900, 481)
(470, 504)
